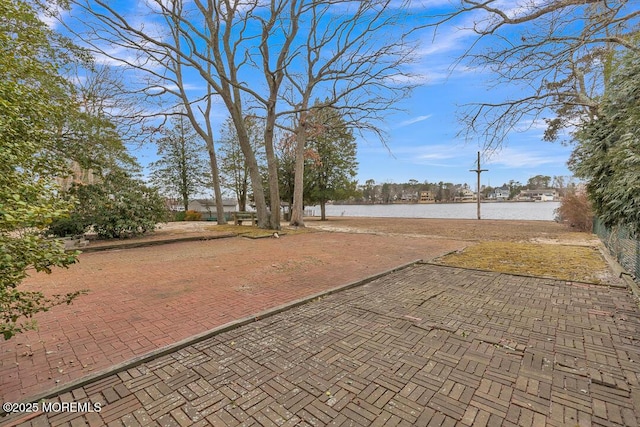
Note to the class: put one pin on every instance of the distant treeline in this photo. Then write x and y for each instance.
(408, 192)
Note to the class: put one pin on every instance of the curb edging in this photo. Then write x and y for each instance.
(130, 245)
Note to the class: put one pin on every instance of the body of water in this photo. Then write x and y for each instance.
(542, 211)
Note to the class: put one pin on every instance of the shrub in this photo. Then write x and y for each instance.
(118, 206)
(575, 211)
(69, 226)
(192, 216)
(179, 216)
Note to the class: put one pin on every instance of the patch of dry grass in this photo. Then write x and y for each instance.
(572, 263)
(255, 232)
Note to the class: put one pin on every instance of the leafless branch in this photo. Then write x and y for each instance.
(559, 51)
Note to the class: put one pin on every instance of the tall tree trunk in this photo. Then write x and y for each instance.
(297, 208)
(185, 202)
(272, 167)
(216, 181)
(254, 171)
(242, 199)
(233, 102)
(258, 190)
(323, 210)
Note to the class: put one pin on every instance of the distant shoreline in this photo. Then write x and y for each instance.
(442, 203)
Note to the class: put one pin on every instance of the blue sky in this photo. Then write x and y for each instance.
(423, 141)
(423, 144)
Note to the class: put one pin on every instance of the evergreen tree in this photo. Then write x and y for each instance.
(608, 153)
(182, 169)
(331, 164)
(286, 167)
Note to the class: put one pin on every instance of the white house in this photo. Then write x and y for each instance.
(502, 193)
(542, 195)
(207, 207)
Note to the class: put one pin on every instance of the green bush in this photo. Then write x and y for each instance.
(68, 226)
(179, 216)
(118, 206)
(193, 216)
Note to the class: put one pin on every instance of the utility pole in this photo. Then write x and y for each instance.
(478, 171)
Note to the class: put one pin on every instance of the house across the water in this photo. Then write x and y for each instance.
(541, 195)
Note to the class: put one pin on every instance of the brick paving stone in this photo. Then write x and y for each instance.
(128, 314)
(359, 357)
(447, 406)
(122, 407)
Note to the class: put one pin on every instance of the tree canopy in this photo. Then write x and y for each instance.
(331, 158)
(267, 59)
(35, 101)
(608, 153)
(554, 55)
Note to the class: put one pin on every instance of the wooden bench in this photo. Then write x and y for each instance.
(240, 216)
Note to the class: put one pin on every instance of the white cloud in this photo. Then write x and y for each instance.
(113, 55)
(175, 88)
(414, 120)
(419, 4)
(520, 9)
(52, 17)
(537, 125)
(445, 41)
(442, 155)
(461, 156)
(155, 5)
(413, 79)
(440, 52)
(528, 158)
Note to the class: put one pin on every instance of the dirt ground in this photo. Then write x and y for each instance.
(538, 248)
(541, 248)
(458, 229)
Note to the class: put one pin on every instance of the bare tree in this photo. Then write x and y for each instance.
(179, 41)
(104, 94)
(557, 55)
(233, 167)
(354, 59)
(177, 63)
(247, 54)
(106, 121)
(220, 43)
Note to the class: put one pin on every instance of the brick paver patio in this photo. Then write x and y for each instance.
(428, 345)
(146, 298)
